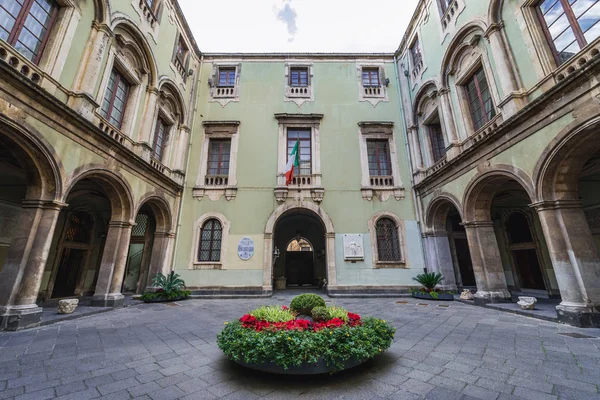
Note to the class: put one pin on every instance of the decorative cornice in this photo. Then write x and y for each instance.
(376, 124)
(283, 117)
(556, 205)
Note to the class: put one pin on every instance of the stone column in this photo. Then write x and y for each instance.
(487, 264)
(112, 266)
(146, 134)
(157, 258)
(439, 258)
(414, 145)
(21, 276)
(268, 264)
(504, 71)
(575, 261)
(90, 71)
(181, 149)
(447, 117)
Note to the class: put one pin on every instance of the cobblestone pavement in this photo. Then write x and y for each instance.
(169, 352)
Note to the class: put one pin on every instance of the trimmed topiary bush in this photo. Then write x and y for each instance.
(338, 312)
(304, 304)
(320, 314)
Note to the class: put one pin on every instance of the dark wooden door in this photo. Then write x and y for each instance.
(299, 268)
(69, 272)
(464, 262)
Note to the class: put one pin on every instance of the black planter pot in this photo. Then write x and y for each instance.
(164, 299)
(320, 367)
(427, 296)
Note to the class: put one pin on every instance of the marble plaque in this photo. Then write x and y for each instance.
(246, 248)
(353, 247)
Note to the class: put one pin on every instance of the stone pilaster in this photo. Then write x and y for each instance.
(487, 264)
(21, 276)
(452, 148)
(148, 123)
(112, 266)
(439, 258)
(575, 261)
(158, 257)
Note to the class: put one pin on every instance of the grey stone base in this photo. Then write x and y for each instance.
(483, 297)
(229, 292)
(19, 319)
(369, 291)
(108, 301)
(578, 318)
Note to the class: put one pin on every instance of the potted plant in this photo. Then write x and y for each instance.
(323, 340)
(169, 288)
(430, 280)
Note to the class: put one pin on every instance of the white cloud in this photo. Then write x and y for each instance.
(298, 25)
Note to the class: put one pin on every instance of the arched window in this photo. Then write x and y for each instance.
(388, 242)
(210, 241)
(299, 244)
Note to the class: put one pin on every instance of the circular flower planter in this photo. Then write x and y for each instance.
(164, 299)
(279, 342)
(427, 296)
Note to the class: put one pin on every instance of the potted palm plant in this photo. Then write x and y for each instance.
(430, 280)
(168, 288)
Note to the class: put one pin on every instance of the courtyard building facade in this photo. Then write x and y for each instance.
(126, 151)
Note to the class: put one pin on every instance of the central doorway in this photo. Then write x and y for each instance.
(299, 241)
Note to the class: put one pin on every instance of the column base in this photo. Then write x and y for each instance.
(16, 318)
(115, 300)
(579, 316)
(497, 296)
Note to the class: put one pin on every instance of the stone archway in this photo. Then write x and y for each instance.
(32, 180)
(306, 208)
(446, 241)
(568, 203)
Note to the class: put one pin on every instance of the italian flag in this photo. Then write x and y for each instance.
(293, 162)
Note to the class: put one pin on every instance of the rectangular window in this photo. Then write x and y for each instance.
(480, 100)
(160, 138)
(218, 157)
(181, 52)
(444, 4)
(115, 99)
(304, 149)
(415, 54)
(25, 24)
(226, 77)
(570, 25)
(436, 137)
(370, 77)
(298, 76)
(378, 153)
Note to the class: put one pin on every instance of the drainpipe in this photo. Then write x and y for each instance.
(187, 162)
(417, 203)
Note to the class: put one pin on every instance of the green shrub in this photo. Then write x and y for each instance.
(164, 296)
(429, 279)
(320, 314)
(168, 287)
(297, 347)
(338, 312)
(303, 304)
(272, 314)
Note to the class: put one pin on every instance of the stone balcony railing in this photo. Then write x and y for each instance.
(417, 69)
(227, 91)
(578, 61)
(302, 180)
(373, 91)
(298, 91)
(148, 13)
(449, 14)
(382, 181)
(114, 133)
(179, 67)
(216, 180)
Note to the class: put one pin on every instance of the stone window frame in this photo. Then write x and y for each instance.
(150, 16)
(171, 121)
(403, 263)
(428, 109)
(181, 67)
(299, 98)
(218, 130)
(467, 60)
(363, 94)
(379, 130)
(416, 72)
(314, 189)
(137, 79)
(449, 17)
(224, 96)
(225, 225)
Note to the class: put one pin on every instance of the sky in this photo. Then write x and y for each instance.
(369, 26)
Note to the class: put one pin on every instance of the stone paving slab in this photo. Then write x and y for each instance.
(156, 351)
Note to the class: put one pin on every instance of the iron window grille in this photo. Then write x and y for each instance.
(388, 242)
(210, 241)
(479, 96)
(25, 24)
(115, 98)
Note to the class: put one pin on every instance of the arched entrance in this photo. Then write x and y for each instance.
(448, 248)
(299, 239)
(306, 220)
(505, 237)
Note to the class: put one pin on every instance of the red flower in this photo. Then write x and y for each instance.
(248, 321)
(335, 323)
(285, 308)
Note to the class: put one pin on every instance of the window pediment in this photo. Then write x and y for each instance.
(374, 127)
(221, 127)
(289, 119)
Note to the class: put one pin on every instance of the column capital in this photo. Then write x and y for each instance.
(477, 224)
(435, 234)
(152, 90)
(495, 27)
(104, 28)
(120, 224)
(443, 91)
(44, 204)
(556, 204)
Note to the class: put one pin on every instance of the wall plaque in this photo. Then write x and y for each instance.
(246, 248)
(353, 248)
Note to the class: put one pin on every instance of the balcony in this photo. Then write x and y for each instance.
(382, 181)
(228, 91)
(179, 67)
(148, 13)
(298, 91)
(302, 180)
(216, 180)
(373, 91)
(449, 14)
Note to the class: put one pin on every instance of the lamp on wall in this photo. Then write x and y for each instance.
(276, 253)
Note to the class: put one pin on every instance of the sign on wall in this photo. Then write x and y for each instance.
(353, 247)
(246, 248)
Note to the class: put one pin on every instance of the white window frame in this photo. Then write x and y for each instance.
(218, 130)
(225, 226)
(364, 94)
(403, 263)
(314, 189)
(416, 72)
(222, 95)
(295, 94)
(378, 130)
